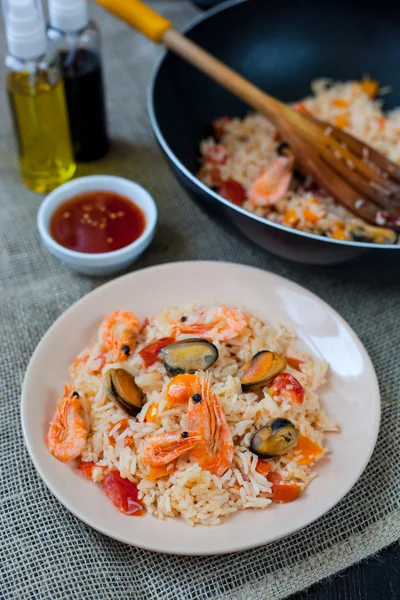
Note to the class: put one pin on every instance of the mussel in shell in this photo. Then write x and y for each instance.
(362, 232)
(260, 369)
(123, 391)
(274, 439)
(188, 356)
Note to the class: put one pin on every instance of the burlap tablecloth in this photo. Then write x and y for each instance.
(45, 552)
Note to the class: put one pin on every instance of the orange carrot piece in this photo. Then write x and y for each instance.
(179, 389)
(286, 492)
(339, 234)
(340, 103)
(283, 492)
(309, 450)
(370, 87)
(290, 217)
(310, 215)
(152, 413)
(157, 472)
(342, 121)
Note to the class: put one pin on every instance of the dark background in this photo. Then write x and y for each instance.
(377, 577)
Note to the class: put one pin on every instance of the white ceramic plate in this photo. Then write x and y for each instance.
(351, 397)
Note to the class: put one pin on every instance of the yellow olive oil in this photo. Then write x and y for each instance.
(39, 111)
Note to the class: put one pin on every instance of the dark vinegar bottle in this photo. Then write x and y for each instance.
(77, 41)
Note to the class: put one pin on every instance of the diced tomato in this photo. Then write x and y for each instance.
(309, 450)
(87, 468)
(150, 353)
(122, 493)
(283, 492)
(216, 154)
(215, 175)
(287, 387)
(263, 466)
(151, 414)
(157, 472)
(233, 191)
(294, 362)
(179, 389)
(219, 126)
(301, 107)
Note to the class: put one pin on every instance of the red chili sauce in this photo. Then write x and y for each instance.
(98, 221)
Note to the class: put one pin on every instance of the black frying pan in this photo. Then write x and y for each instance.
(280, 46)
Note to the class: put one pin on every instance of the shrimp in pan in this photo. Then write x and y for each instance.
(273, 183)
(66, 438)
(205, 416)
(118, 334)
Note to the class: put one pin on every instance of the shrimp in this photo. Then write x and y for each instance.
(222, 323)
(273, 183)
(118, 334)
(205, 416)
(67, 433)
(163, 448)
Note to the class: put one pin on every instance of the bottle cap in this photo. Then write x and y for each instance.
(25, 28)
(68, 15)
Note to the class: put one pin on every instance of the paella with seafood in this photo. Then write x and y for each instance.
(198, 412)
(247, 162)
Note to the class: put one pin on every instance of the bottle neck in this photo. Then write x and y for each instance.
(44, 61)
(86, 38)
(68, 17)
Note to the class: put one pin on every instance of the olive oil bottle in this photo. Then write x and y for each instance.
(37, 100)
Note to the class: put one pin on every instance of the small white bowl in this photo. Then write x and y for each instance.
(104, 263)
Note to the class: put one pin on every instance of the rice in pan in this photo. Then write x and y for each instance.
(244, 161)
(219, 473)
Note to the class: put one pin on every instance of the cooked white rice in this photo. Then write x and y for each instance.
(251, 146)
(189, 491)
